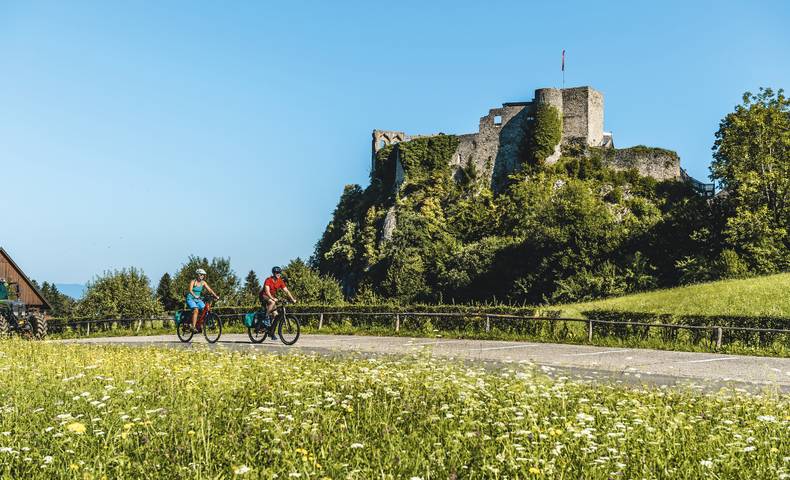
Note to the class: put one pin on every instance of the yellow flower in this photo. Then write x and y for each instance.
(74, 466)
(774, 450)
(534, 470)
(76, 427)
(301, 451)
(191, 432)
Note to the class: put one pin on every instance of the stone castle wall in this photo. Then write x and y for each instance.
(650, 162)
(495, 150)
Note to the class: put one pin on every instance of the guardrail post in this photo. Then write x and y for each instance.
(397, 322)
(589, 330)
(718, 337)
(320, 320)
(89, 327)
(488, 324)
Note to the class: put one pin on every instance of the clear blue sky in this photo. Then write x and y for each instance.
(137, 133)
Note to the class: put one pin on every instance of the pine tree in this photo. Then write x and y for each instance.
(164, 292)
(252, 285)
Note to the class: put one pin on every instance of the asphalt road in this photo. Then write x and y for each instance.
(707, 371)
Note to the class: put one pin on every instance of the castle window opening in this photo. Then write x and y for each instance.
(382, 144)
(498, 120)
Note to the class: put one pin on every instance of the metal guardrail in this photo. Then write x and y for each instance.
(398, 316)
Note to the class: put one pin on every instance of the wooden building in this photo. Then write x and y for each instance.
(28, 293)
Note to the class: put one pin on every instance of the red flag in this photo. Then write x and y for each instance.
(563, 60)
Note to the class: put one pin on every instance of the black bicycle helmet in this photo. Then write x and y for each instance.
(276, 270)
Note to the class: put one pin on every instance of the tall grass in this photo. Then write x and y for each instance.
(101, 412)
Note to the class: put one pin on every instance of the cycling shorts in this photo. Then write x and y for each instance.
(193, 303)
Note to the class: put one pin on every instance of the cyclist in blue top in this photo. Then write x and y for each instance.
(193, 295)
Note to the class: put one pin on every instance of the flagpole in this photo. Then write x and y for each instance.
(563, 68)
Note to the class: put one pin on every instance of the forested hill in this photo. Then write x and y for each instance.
(574, 230)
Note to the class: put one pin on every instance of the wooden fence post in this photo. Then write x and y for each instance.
(89, 327)
(589, 330)
(488, 324)
(397, 322)
(320, 320)
(718, 337)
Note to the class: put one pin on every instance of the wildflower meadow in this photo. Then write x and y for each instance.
(91, 412)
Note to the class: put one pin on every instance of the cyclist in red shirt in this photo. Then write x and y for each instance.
(271, 287)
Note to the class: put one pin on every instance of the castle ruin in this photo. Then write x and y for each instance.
(495, 149)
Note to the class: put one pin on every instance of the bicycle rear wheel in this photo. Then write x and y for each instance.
(212, 327)
(184, 331)
(258, 331)
(289, 330)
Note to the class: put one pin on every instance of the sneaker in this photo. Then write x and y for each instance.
(274, 337)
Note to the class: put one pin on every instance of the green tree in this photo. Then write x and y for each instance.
(248, 295)
(220, 276)
(62, 305)
(308, 286)
(752, 164)
(252, 286)
(164, 293)
(119, 294)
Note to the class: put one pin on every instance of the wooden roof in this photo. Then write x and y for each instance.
(28, 292)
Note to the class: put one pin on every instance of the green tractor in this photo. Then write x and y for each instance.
(16, 317)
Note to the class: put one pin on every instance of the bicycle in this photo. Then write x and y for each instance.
(287, 327)
(208, 322)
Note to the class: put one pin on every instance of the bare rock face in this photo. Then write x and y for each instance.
(390, 222)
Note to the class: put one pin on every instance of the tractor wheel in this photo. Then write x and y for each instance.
(39, 324)
(3, 325)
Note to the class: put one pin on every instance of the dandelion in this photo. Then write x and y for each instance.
(76, 427)
(356, 445)
(534, 470)
(750, 448)
(48, 459)
(706, 463)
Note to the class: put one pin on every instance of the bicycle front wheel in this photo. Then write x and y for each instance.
(212, 327)
(289, 330)
(184, 331)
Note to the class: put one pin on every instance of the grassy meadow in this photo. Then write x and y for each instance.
(766, 296)
(92, 412)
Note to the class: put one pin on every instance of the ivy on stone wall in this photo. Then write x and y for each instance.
(546, 134)
(427, 158)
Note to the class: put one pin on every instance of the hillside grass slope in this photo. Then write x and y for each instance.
(766, 296)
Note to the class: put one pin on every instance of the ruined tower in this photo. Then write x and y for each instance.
(495, 151)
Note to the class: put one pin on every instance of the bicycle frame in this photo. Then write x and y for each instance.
(203, 313)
